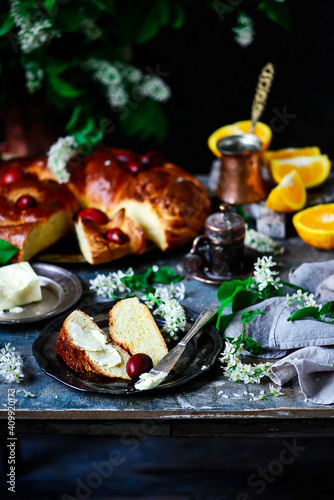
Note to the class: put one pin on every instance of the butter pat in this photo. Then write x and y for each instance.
(149, 380)
(19, 285)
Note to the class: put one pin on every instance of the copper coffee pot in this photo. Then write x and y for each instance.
(240, 178)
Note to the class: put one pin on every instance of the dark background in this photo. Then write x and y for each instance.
(213, 79)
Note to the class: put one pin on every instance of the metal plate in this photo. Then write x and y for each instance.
(199, 356)
(195, 266)
(60, 288)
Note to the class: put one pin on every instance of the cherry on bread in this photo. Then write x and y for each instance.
(12, 176)
(116, 235)
(152, 159)
(93, 214)
(138, 364)
(26, 201)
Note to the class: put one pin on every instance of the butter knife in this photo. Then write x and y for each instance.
(158, 374)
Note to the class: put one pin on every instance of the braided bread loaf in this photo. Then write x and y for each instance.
(158, 201)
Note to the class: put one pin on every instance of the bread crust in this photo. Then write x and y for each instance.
(78, 360)
(165, 197)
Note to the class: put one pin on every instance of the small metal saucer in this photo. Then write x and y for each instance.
(195, 266)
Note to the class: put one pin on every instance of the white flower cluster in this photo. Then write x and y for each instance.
(34, 76)
(116, 78)
(261, 242)
(154, 87)
(236, 370)
(302, 299)
(58, 156)
(166, 298)
(90, 29)
(11, 364)
(32, 34)
(244, 31)
(264, 275)
(107, 285)
(274, 392)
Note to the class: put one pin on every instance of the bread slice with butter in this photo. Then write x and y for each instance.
(132, 327)
(19, 285)
(84, 347)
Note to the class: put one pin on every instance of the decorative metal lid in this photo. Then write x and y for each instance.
(239, 144)
(225, 227)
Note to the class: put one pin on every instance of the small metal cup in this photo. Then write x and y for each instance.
(222, 245)
(240, 178)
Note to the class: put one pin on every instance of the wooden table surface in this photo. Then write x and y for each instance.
(206, 406)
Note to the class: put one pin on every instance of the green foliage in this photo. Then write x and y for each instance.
(325, 314)
(7, 251)
(104, 30)
(248, 316)
(276, 11)
(143, 282)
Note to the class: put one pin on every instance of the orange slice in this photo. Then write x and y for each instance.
(289, 195)
(315, 226)
(313, 170)
(262, 131)
(292, 153)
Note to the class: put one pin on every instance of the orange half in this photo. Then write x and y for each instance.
(315, 226)
(262, 131)
(313, 170)
(289, 195)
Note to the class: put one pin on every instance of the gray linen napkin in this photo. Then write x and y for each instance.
(311, 363)
(278, 335)
(313, 367)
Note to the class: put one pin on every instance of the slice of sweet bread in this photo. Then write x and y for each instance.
(83, 346)
(132, 327)
(94, 244)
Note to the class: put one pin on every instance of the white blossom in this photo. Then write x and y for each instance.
(155, 88)
(302, 299)
(32, 34)
(90, 29)
(264, 275)
(11, 364)
(34, 76)
(244, 31)
(174, 316)
(107, 285)
(236, 370)
(261, 242)
(117, 96)
(274, 392)
(104, 71)
(58, 156)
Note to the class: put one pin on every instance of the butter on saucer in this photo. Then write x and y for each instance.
(19, 285)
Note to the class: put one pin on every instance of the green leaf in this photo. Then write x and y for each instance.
(248, 316)
(165, 275)
(63, 88)
(228, 289)
(55, 67)
(7, 251)
(276, 11)
(327, 308)
(305, 312)
(147, 30)
(7, 25)
(178, 16)
(243, 299)
(139, 282)
(145, 121)
(106, 5)
(49, 4)
(253, 347)
(223, 321)
(74, 118)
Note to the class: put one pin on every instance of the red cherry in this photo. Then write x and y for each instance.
(152, 159)
(93, 214)
(134, 166)
(26, 201)
(12, 176)
(116, 235)
(138, 364)
(125, 157)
